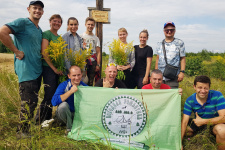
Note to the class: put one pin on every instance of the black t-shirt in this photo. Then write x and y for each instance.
(117, 83)
(141, 55)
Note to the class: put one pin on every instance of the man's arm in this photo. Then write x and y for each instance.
(7, 41)
(156, 62)
(182, 67)
(98, 54)
(184, 125)
(220, 119)
(68, 93)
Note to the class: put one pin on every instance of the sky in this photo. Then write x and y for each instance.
(199, 23)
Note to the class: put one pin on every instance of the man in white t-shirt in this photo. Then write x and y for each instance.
(91, 40)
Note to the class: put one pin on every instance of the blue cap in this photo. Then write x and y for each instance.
(37, 2)
(169, 23)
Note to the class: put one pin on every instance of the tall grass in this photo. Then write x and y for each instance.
(50, 138)
(53, 138)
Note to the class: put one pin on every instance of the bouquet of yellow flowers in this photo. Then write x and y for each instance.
(119, 53)
(55, 51)
(78, 58)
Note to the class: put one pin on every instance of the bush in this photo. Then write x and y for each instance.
(194, 65)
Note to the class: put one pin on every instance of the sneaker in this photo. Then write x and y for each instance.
(67, 131)
(23, 135)
(47, 123)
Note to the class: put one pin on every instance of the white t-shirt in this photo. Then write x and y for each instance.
(90, 41)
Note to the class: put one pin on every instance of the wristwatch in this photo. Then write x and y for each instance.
(182, 71)
(99, 65)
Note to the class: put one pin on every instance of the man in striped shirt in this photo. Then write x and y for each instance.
(209, 108)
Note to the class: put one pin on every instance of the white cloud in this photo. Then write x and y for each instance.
(135, 16)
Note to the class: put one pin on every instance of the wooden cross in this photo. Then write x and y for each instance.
(101, 17)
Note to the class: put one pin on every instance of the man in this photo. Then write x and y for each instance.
(64, 97)
(110, 80)
(209, 108)
(92, 41)
(175, 54)
(27, 60)
(156, 80)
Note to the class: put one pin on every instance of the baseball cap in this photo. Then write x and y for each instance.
(37, 2)
(169, 23)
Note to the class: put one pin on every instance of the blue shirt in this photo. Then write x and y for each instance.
(63, 88)
(215, 102)
(27, 38)
(69, 38)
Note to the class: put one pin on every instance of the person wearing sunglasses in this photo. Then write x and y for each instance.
(110, 80)
(171, 51)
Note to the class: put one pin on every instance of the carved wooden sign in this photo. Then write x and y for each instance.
(100, 16)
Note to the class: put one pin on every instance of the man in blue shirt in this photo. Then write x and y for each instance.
(64, 97)
(27, 58)
(209, 108)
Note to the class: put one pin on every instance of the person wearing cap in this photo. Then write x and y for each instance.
(175, 55)
(27, 59)
(110, 80)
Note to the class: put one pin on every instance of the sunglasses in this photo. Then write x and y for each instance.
(111, 64)
(167, 30)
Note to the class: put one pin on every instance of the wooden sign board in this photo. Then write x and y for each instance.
(100, 16)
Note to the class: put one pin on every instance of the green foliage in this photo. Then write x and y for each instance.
(50, 138)
(104, 54)
(4, 49)
(194, 65)
(204, 54)
(206, 63)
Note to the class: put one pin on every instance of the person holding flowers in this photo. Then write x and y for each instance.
(73, 40)
(50, 71)
(143, 59)
(91, 41)
(122, 54)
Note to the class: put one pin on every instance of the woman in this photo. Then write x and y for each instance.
(73, 40)
(50, 72)
(122, 34)
(143, 59)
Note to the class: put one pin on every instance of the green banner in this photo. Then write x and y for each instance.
(128, 118)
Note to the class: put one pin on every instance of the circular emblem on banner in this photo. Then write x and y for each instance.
(124, 116)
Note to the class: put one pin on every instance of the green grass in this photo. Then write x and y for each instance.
(53, 138)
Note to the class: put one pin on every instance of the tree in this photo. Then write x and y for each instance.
(4, 49)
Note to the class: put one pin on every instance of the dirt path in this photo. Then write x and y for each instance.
(6, 62)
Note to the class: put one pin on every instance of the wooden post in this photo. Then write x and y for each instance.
(101, 18)
(98, 29)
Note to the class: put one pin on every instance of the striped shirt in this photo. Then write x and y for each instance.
(215, 102)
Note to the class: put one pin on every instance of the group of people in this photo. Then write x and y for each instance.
(29, 48)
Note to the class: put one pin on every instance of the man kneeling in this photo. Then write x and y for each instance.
(64, 97)
(209, 108)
